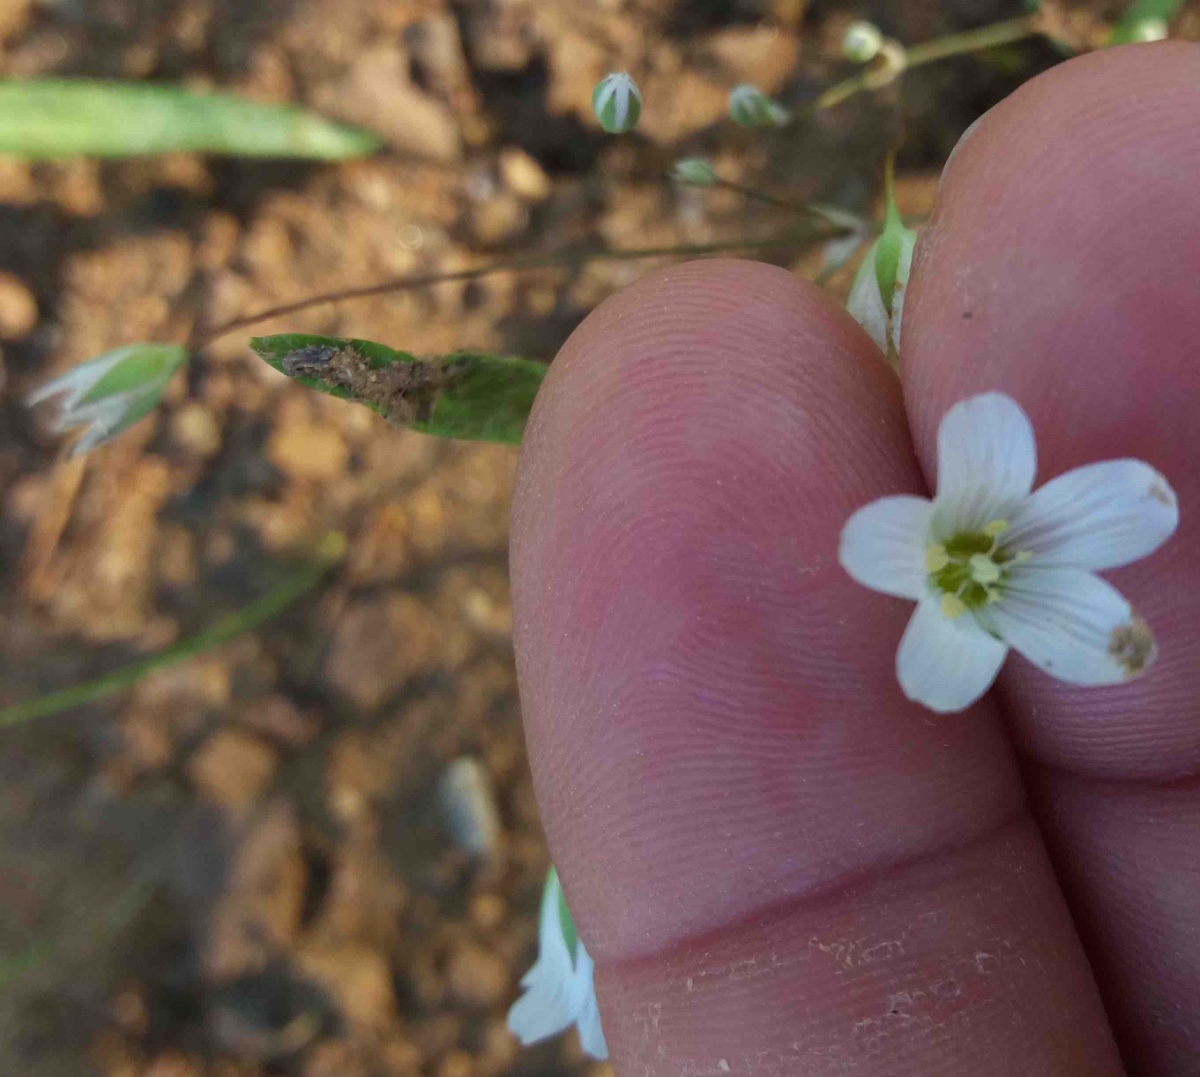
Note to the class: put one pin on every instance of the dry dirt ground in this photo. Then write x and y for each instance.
(245, 865)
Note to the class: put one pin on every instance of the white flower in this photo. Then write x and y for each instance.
(558, 989)
(750, 107)
(993, 566)
(111, 392)
(617, 103)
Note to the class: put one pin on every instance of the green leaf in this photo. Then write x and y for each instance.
(50, 118)
(461, 395)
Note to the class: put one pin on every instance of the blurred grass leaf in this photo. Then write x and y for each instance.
(461, 395)
(50, 118)
(1141, 13)
(329, 551)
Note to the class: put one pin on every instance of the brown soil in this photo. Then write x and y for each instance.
(247, 865)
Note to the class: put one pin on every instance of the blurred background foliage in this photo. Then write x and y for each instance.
(315, 850)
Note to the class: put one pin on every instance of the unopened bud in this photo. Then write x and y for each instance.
(107, 394)
(695, 172)
(750, 107)
(862, 42)
(617, 103)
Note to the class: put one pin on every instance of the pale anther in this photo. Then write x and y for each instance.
(953, 607)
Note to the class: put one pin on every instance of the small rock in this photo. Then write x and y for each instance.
(262, 901)
(14, 14)
(500, 218)
(378, 644)
(435, 45)
(304, 449)
(487, 911)
(18, 307)
(468, 804)
(523, 175)
(338, 1058)
(477, 977)
(456, 1063)
(358, 980)
(278, 718)
(377, 94)
(233, 769)
(197, 430)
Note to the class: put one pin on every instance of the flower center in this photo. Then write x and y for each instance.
(970, 569)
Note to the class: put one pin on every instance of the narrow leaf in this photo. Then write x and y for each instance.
(461, 395)
(67, 117)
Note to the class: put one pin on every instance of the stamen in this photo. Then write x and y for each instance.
(983, 569)
(995, 528)
(953, 607)
(936, 558)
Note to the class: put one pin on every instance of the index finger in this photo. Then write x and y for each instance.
(778, 863)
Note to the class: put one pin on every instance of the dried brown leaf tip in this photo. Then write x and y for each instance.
(403, 391)
(1132, 646)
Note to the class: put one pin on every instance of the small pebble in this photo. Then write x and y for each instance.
(477, 977)
(18, 307)
(468, 804)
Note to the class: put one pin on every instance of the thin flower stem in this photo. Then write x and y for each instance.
(792, 238)
(928, 52)
(236, 624)
(839, 218)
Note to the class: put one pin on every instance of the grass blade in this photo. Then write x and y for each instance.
(244, 620)
(48, 118)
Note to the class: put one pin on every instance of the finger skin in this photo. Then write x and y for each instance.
(779, 864)
(1061, 266)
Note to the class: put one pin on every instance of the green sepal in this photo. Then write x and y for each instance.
(894, 246)
(570, 934)
(144, 366)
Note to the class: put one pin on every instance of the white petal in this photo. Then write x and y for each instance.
(1073, 625)
(837, 252)
(549, 1005)
(591, 1035)
(987, 459)
(883, 545)
(78, 381)
(1096, 517)
(553, 995)
(865, 304)
(946, 665)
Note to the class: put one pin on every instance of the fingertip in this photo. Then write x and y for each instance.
(699, 676)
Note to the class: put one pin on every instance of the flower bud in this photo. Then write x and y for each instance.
(862, 42)
(694, 172)
(113, 391)
(617, 103)
(750, 107)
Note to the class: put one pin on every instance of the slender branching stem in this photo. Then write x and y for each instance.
(892, 64)
(796, 237)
